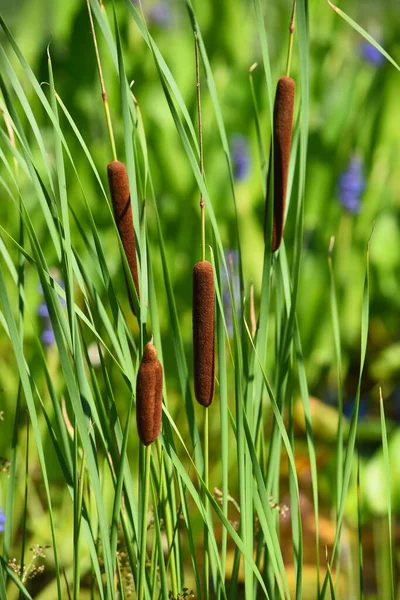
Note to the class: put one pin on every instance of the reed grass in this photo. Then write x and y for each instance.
(167, 509)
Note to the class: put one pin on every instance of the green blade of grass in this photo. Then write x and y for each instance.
(24, 378)
(364, 33)
(388, 493)
(338, 354)
(359, 533)
(15, 579)
(196, 498)
(118, 488)
(348, 461)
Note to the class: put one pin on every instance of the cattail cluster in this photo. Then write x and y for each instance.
(203, 331)
(121, 201)
(149, 384)
(282, 139)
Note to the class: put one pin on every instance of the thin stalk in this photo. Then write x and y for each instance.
(17, 415)
(78, 500)
(25, 508)
(198, 96)
(259, 132)
(66, 584)
(389, 500)
(102, 85)
(359, 526)
(223, 406)
(290, 47)
(119, 581)
(129, 547)
(143, 534)
(339, 435)
(154, 567)
(76, 571)
(169, 529)
(206, 509)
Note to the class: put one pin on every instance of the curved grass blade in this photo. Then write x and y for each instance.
(348, 461)
(25, 383)
(338, 353)
(15, 579)
(364, 33)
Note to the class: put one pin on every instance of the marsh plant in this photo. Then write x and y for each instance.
(172, 398)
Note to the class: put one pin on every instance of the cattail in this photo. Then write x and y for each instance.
(282, 138)
(149, 384)
(203, 331)
(121, 201)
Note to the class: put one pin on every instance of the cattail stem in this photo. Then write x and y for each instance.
(102, 84)
(145, 488)
(203, 232)
(78, 500)
(169, 527)
(203, 329)
(198, 96)
(291, 32)
(206, 509)
(253, 321)
(149, 385)
(25, 509)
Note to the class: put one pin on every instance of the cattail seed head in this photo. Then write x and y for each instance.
(282, 139)
(203, 331)
(149, 385)
(121, 201)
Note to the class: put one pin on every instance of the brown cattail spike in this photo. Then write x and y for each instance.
(121, 201)
(203, 331)
(149, 385)
(282, 138)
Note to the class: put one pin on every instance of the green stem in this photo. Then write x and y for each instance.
(206, 510)
(203, 231)
(359, 527)
(78, 501)
(102, 85)
(25, 574)
(291, 31)
(145, 488)
(169, 529)
(198, 96)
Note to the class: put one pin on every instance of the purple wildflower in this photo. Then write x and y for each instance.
(232, 262)
(240, 156)
(160, 14)
(351, 186)
(47, 336)
(371, 54)
(348, 407)
(2, 520)
(43, 311)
